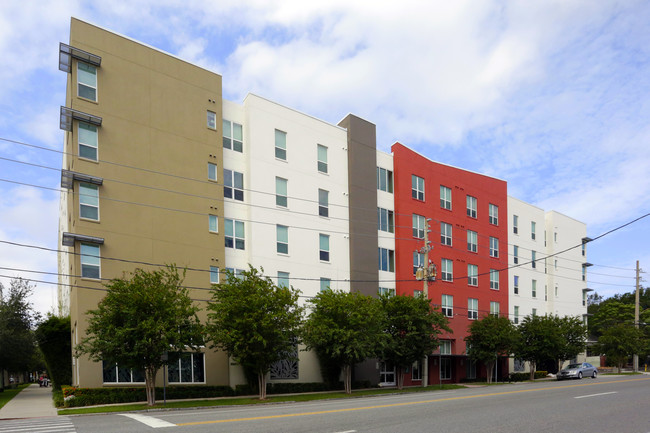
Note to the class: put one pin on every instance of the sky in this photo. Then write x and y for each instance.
(550, 95)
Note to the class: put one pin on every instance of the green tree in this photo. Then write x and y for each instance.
(540, 340)
(140, 319)
(574, 338)
(489, 338)
(346, 328)
(611, 312)
(619, 342)
(53, 337)
(17, 319)
(412, 327)
(256, 322)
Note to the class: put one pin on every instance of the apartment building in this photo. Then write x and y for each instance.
(548, 260)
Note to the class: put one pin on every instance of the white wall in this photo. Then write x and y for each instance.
(386, 200)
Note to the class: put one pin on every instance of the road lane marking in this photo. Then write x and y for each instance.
(148, 420)
(595, 395)
(383, 406)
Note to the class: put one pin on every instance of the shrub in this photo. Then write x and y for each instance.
(76, 397)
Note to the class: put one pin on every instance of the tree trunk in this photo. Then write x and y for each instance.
(400, 377)
(347, 379)
(489, 366)
(619, 366)
(261, 383)
(533, 367)
(150, 384)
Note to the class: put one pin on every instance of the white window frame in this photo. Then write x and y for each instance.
(214, 275)
(494, 247)
(515, 224)
(324, 247)
(494, 214)
(515, 284)
(231, 139)
(419, 226)
(418, 261)
(211, 119)
(472, 308)
(533, 258)
(388, 291)
(445, 369)
(283, 279)
(282, 235)
(472, 275)
(515, 254)
(385, 220)
(212, 171)
(417, 187)
(516, 315)
(495, 308)
(180, 359)
(231, 227)
(447, 305)
(472, 203)
(117, 374)
(325, 284)
(88, 140)
(472, 241)
(445, 197)
(533, 229)
(323, 203)
(90, 259)
(494, 279)
(445, 234)
(416, 371)
(533, 288)
(89, 71)
(386, 259)
(384, 180)
(280, 145)
(445, 347)
(281, 192)
(321, 156)
(88, 200)
(447, 269)
(231, 187)
(213, 223)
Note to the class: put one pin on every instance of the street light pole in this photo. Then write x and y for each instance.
(426, 273)
(635, 358)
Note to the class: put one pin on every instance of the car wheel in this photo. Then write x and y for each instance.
(580, 375)
(593, 376)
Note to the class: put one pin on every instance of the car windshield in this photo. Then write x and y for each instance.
(572, 366)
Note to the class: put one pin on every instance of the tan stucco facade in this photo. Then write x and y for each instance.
(153, 150)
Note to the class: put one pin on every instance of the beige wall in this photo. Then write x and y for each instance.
(153, 109)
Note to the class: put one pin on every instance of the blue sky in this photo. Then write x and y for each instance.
(551, 96)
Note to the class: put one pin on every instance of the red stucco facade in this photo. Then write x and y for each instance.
(486, 191)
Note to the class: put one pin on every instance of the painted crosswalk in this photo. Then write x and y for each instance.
(60, 424)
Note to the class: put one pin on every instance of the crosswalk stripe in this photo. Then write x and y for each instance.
(149, 420)
(37, 425)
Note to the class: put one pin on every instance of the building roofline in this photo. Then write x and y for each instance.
(144, 44)
(566, 216)
(446, 165)
(526, 203)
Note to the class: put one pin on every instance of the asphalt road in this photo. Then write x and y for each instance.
(617, 404)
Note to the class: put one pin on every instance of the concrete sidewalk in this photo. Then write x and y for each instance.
(31, 402)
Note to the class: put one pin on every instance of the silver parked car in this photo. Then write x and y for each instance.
(578, 371)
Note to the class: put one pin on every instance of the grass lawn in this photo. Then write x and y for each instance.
(231, 401)
(8, 394)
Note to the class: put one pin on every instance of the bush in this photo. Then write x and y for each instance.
(76, 397)
(521, 377)
(53, 336)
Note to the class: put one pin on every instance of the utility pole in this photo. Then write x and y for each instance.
(427, 274)
(635, 361)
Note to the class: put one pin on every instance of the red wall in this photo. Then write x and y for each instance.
(487, 190)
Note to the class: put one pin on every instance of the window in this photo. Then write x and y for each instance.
(283, 279)
(233, 184)
(233, 136)
(417, 187)
(445, 347)
(545, 292)
(418, 261)
(494, 247)
(516, 285)
(448, 305)
(281, 192)
(112, 373)
(494, 308)
(447, 269)
(282, 245)
(445, 368)
(584, 297)
(384, 180)
(386, 260)
(471, 206)
(212, 120)
(212, 171)
(556, 291)
(214, 275)
(472, 308)
(494, 214)
(515, 254)
(90, 264)
(470, 369)
(322, 159)
(324, 247)
(385, 220)
(89, 201)
(534, 312)
(555, 264)
(472, 241)
(445, 197)
(87, 138)
(516, 318)
(281, 145)
(386, 291)
(418, 293)
(533, 256)
(237, 273)
(325, 284)
(584, 273)
(515, 224)
(532, 229)
(416, 370)
(472, 275)
(584, 249)
(213, 224)
(419, 226)
(555, 237)
(188, 369)
(445, 234)
(323, 203)
(87, 81)
(534, 289)
(234, 234)
(494, 279)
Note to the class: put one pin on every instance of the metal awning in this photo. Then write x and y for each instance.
(587, 290)
(586, 239)
(587, 264)
(68, 114)
(67, 53)
(69, 239)
(68, 177)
